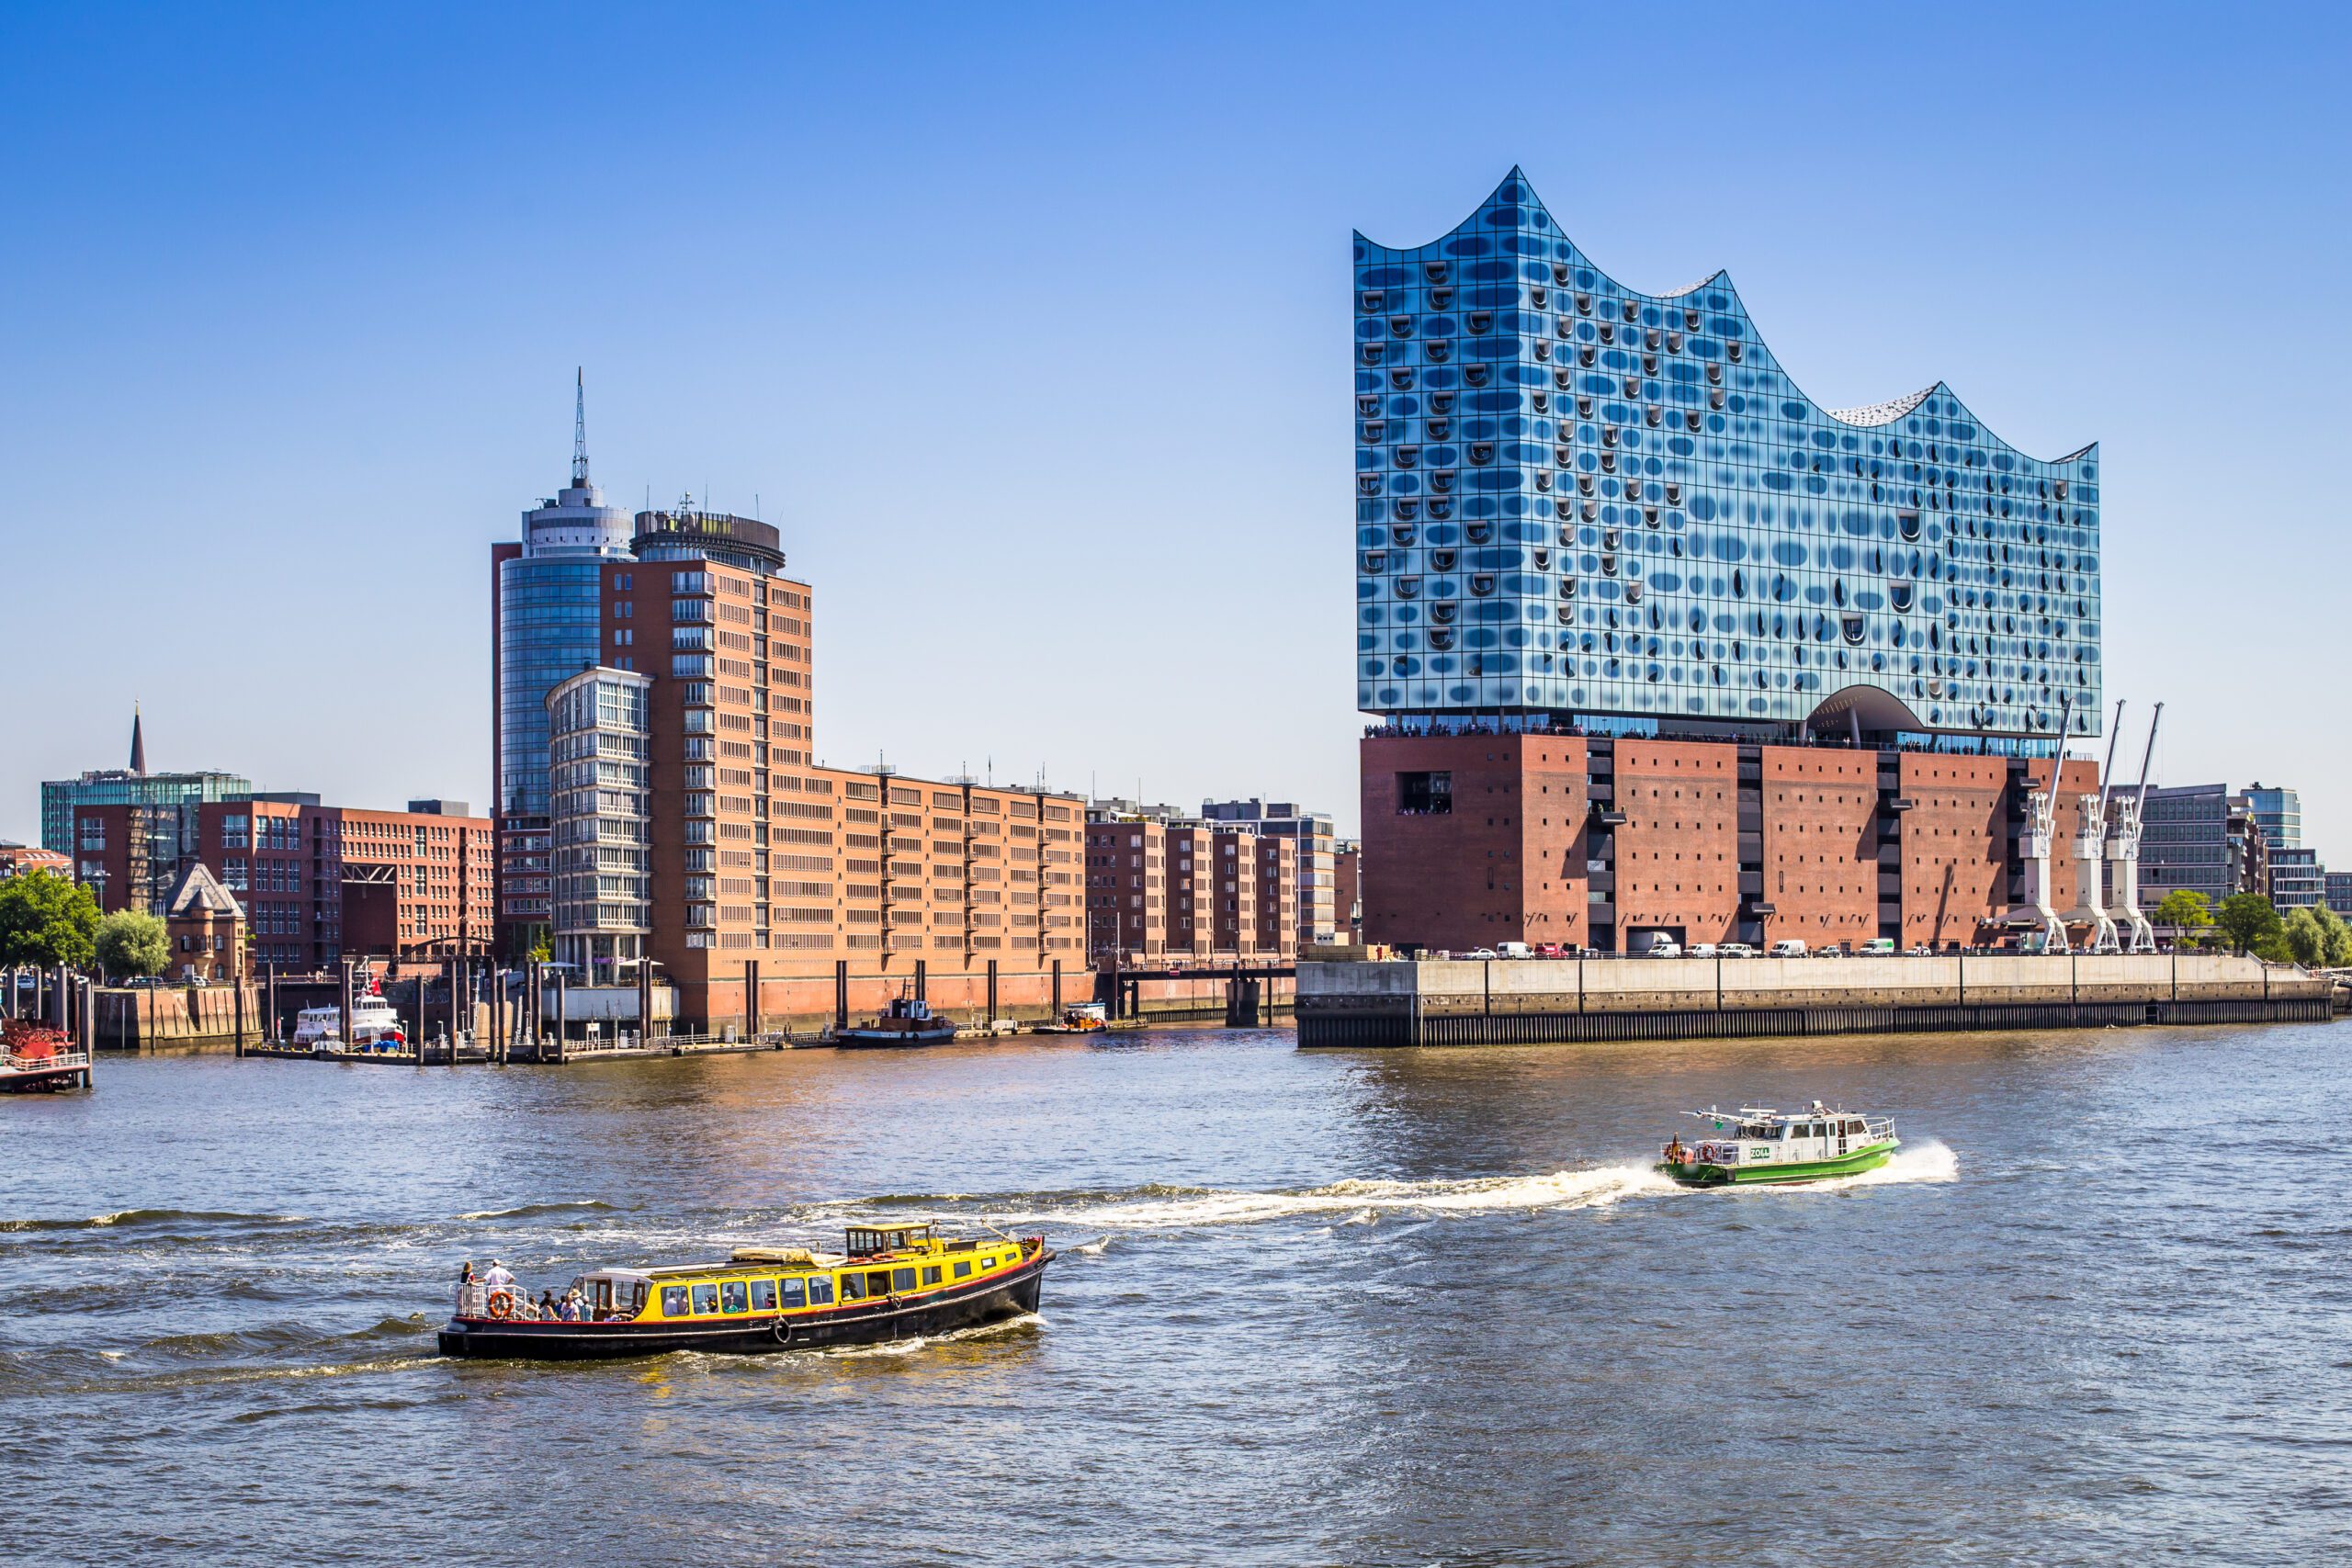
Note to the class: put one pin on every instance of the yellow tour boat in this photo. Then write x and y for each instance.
(888, 1282)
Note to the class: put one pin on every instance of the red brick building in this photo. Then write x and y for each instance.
(1186, 888)
(1470, 840)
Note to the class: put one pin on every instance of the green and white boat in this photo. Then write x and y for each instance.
(1756, 1143)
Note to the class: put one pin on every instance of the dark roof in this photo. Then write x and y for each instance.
(200, 892)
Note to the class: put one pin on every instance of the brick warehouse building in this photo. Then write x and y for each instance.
(1661, 648)
(708, 835)
(1189, 889)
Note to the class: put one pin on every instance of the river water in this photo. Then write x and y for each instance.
(1412, 1307)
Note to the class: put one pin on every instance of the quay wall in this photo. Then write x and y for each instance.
(166, 1018)
(1469, 1001)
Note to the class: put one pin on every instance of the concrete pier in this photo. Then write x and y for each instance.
(1530, 1001)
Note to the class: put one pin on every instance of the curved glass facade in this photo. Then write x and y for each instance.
(547, 631)
(1575, 499)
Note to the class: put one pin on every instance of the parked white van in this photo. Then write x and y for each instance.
(1877, 947)
(1513, 950)
(1702, 950)
(1663, 947)
(1788, 947)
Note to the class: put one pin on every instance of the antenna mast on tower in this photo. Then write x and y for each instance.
(579, 428)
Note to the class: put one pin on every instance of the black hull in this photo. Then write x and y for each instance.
(864, 1324)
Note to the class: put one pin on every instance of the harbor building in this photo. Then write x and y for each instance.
(772, 886)
(2298, 880)
(545, 604)
(2204, 837)
(17, 859)
(1310, 832)
(143, 825)
(1656, 647)
(2338, 886)
(1200, 889)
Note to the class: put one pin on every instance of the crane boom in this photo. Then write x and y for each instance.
(2108, 772)
(2141, 798)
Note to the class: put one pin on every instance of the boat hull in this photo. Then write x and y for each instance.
(890, 1039)
(1007, 1295)
(1694, 1174)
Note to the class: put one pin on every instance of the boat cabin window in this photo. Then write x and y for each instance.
(852, 1287)
(902, 1278)
(963, 1266)
(931, 1275)
(795, 1292)
(732, 1296)
(764, 1295)
(878, 1283)
(706, 1298)
(820, 1292)
(673, 1301)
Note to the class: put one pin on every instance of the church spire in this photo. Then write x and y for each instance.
(138, 745)
(578, 429)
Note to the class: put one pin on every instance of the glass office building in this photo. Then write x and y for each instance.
(599, 820)
(1577, 503)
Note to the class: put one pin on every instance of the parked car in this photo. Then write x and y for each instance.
(1789, 947)
(1877, 947)
(1550, 950)
(1703, 950)
(1663, 947)
(1733, 950)
(1480, 952)
(1920, 950)
(1832, 950)
(1589, 953)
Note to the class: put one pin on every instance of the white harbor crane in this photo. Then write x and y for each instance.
(2041, 834)
(2090, 853)
(2123, 850)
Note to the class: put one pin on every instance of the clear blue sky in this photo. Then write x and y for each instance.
(1030, 329)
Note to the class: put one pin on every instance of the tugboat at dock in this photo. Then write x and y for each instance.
(910, 1022)
(888, 1282)
(1756, 1145)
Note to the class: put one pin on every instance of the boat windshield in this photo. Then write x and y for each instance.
(865, 1242)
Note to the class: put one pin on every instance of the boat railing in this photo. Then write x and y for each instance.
(67, 1056)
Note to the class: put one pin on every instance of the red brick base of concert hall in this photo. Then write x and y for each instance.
(1471, 839)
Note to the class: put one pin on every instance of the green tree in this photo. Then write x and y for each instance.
(45, 921)
(2186, 911)
(2319, 938)
(2337, 951)
(132, 942)
(2250, 925)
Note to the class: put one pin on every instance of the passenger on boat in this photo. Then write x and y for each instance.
(569, 1312)
(546, 1303)
(471, 1297)
(498, 1279)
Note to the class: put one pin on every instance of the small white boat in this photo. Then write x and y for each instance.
(374, 1027)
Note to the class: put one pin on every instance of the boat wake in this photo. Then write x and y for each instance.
(525, 1211)
(1022, 1322)
(1926, 1162)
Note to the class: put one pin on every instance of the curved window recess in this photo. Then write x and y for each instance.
(1607, 332)
(1563, 456)
(1400, 326)
(1441, 299)
(1633, 489)
(1609, 462)
(1482, 452)
(1401, 664)
(1609, 538)
(1633, 593)
(1734, 352)
(1401, 536)
(1440, 510)
(1442, 560)
(1442, 614)
(1541, 400)
(1650, 337)
(1649, 516)
(1373, 301)
(1482, 583)
(1408, 588)
(1609, 566)
(1565, 327)
(1538, 295)
(1442, 639)
(1543, 349)
(1441, 402)
(1543, 558)
(1584, 408)
(1716, 374)
(1584, 304)
(1440, 428)
(2059, 488)
(1543, 479)
(1560, 274)
(1441, 479)
(1632, 387)
(1374, 561)
(1586, 357)
(1368, 484)
(1564, 509)
(1674, 342)
(1609, 436)
(1567, 588)
(1408, 456)
(1474, 375)
(1673, 493)
(1436, 271)
(1567, 615)
(1692, 419)
(1633, 311)
(1562, 379)
(1477, 533)
(1401, 379)
(1838, 592)
(1373, 429)
(1584, 483)
(1408, 510)
(1652, 415)
(1439, 350)
(1649, 364)
(1482, 322)
(1591, 511)
(1368, 406)
(1852, 628)
(1373, 353)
